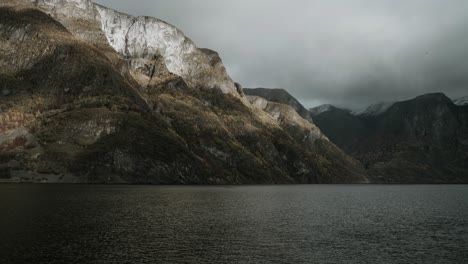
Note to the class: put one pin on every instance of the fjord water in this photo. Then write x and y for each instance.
(250, 224)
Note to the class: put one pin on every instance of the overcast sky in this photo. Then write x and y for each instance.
(347, 53)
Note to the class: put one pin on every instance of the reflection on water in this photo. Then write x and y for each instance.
(251, 224)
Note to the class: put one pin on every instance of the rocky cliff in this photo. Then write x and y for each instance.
(336, 162)
(422, 140)
(280, 96)
(89, 94)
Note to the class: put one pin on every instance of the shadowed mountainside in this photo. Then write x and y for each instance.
(422, 140)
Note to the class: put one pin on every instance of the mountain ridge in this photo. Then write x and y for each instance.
(73, 109)
(419, 140)
(423, 139)
(279, 96)
(121, 32)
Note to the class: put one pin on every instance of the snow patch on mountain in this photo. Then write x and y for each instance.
(461, 101)
(321, 109)
(374, 109)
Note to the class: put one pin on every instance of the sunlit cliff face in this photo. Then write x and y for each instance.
(143, 38)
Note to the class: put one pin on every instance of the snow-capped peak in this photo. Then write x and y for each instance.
(374, 109)
(321, 109)
(461, 101)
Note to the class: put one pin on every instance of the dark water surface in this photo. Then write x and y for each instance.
(252, 224)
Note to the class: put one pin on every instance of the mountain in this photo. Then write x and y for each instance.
(370, 110)
(374, 109)
(279, 96)
(339, 125)
(321, 109)
(422, 140)
(312, 140)
(91, 95)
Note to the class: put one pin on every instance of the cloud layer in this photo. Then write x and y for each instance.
(347, 53)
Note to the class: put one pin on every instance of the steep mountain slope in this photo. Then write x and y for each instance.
(82, 102)
(341, 126)
(297, 120)
(64, 98)
(279, 96)
(321, 109)
(314, 141)
(139, 40)
(420, 140)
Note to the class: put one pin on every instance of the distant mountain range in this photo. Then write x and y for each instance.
(424, 139)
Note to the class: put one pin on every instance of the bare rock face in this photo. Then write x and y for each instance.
(312, 140)
(80, 17)
(280, 96)
(141, 39)
(144, 37)
(39, 56)
(286, 114)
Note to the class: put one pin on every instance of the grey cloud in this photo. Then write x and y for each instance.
(348, 53)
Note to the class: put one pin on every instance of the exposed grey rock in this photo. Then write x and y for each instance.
(280, 96)
(142, 38)
(310, 137)
(282, 112)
